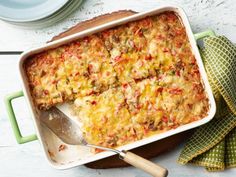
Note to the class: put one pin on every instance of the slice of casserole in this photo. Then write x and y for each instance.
(105, 118)
(165, 102)
(128, 52)
(76, 69)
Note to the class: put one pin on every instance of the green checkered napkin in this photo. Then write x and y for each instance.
(213, 145)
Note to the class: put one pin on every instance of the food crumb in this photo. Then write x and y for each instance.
(62, 147)
(51, 154)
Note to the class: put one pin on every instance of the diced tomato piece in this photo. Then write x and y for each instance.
(146, 130)
(108, 73)
(93, 102)
(91, 92)
(200, 96)
(117, 59)
(173, 52)
(179, 31)
(54, 82)
(166, 50)
(193, 60)
(79, 57)
(138, 32)
(161, 128)
(173, 126)
(49, 61)
(98, 150)
(46, 92)
(175, 91)
(160, 89)
(139, 106)
(125, 85)
(171, 17)
(147, 22)
(77, 74)
(196, 71)
(194, 118)
(160, 77)
(164, 119)
(77, 43)
(91, 68)
(178, 44)
(87, 39)
(137, 93)
(36, 82)
(190, 106)
(178, 72)
(106, 33)
(148, 57)
(159, 37)
(173, 119)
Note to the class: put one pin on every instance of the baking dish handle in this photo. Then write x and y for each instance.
(203, 34)
(8, 102)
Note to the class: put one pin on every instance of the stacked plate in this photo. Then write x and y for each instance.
(36, 13)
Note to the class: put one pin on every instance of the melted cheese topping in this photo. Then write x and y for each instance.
(77, 69)
(105, 118)
(128, 82)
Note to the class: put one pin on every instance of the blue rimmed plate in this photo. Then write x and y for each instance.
(28, 10)
(59, 15)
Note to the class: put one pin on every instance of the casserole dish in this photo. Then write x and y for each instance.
(74, 156)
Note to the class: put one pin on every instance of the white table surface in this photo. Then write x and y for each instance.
(28, 160)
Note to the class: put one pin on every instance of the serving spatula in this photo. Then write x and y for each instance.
(69, 132)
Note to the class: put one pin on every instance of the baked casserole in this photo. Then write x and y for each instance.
(126, 83)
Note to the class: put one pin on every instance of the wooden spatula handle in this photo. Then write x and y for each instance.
(144, 164)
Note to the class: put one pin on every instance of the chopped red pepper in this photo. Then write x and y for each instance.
(179, 44)
(175, 91)
(54, 82)
(165, 119)
(98, 150)
(46, 92)
(148, 57)
(178, 72)
(125, 85)
(93, 102)
(87, 39)
(171, 17)
(147, 22)
(77, 43)
(90, 68)
(138, 32)
(139, 106)
(117, 59)
(108, 73)
(159, 37)
(173, 119)
(200, 96)
(77, 74)
(166, 50)
(179, 31)
(160, 89)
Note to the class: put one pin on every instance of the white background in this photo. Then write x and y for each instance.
(28, 160)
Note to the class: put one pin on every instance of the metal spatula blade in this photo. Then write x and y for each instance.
(69, 132)
(66, 129)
